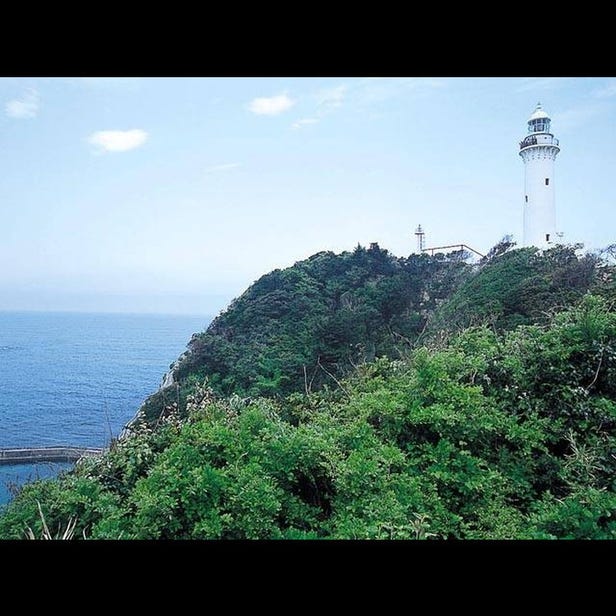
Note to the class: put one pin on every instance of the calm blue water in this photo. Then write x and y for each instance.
(72, 379)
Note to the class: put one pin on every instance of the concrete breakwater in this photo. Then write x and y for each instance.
(30, 455)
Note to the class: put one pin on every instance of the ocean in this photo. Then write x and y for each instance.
(77, 379)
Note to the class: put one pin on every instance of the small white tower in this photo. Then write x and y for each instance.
(421, 236)
(538, 151)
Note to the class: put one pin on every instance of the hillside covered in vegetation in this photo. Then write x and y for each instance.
(296, 329)
(363, 395)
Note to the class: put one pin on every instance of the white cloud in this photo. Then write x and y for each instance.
(223, 167)
(118, 140)
(304, 122)
(272, 105)
(25, 107)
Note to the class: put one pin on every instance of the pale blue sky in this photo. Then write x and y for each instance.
(174, 194)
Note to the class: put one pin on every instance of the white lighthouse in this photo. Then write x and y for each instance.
(538, 151)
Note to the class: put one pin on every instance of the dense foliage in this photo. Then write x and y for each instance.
(521, 287)
(504, 429)
(296, 329)
(496, 436)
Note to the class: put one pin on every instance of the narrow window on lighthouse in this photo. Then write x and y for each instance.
(547, 181)
(526, 198)
(547, 237)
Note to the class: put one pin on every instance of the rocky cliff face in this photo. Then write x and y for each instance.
(168, 378)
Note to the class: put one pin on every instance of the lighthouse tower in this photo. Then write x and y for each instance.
(538, 151)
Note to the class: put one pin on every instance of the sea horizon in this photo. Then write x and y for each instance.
(107, 312)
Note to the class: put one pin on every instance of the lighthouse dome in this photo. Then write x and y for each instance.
(538, 114)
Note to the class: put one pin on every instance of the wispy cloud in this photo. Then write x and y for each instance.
(118, 140)
(362, 93)
(107, 82)
(331, 98)
(25, 107)
(326, 101)
(576, 117)
(272, 105)
(223, 167)
(606, 91)
(304, 122)
(530, 84)
(374, 90)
